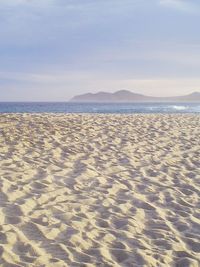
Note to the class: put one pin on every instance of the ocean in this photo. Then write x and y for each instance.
(44, 107)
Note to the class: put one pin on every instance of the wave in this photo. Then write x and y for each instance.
(99, 108)
(180, 107)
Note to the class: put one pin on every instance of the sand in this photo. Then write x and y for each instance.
(99, 190)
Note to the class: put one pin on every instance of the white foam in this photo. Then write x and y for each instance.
(180, 107)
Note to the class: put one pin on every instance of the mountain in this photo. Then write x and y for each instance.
(125, 96)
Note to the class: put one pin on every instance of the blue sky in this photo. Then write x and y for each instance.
(51, 50)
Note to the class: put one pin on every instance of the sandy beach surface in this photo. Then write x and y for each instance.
(99, 190)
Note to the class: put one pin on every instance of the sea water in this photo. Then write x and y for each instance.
(44, 107)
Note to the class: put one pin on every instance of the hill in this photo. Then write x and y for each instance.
(125, 96)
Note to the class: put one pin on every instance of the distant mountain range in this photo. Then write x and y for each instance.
(125, 96)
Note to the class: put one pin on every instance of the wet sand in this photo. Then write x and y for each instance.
(99, 190)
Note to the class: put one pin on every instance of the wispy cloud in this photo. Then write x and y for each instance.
(67, 89)
(44, 78)
(182, 5)
(68, 47)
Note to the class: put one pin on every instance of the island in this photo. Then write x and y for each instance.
(125, 96)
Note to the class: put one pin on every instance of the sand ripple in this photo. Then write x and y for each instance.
(99, 190)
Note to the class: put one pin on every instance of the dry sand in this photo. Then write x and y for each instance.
(99, 190)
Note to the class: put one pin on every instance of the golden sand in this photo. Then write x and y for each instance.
(99, 190)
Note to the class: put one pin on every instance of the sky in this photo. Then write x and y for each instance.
(51, 50)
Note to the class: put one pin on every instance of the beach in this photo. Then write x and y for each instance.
(100, 190)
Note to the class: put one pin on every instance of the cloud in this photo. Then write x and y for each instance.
(14, 3)
(35, 21)
(64, 90)
(153, 87)
(67, 3)
(44, 78)
(181, 5)
(90, 45)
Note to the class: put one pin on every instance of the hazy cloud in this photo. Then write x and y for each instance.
(68, 47)
(182, 5)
